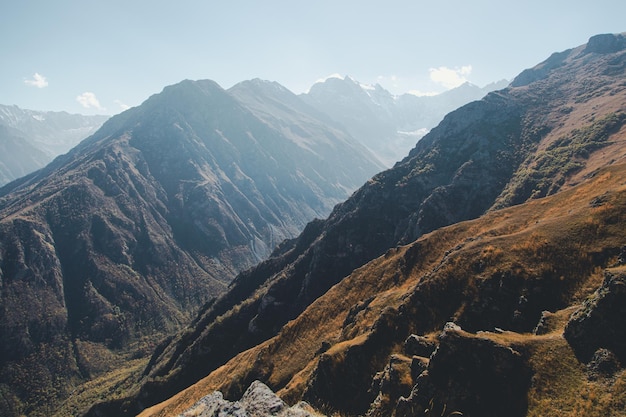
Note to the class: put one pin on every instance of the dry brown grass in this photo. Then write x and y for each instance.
(561, 387)
(562, 235)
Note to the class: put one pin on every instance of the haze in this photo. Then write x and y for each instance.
(101, 57)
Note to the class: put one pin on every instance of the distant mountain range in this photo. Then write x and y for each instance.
(388, 125)
(30, 139)
(443, 286)
(120, 241)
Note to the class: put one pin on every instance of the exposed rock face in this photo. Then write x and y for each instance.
(127, 235)
(606, 43)
(391, 384)
(601, 321)
(416, 345)
(470, 375)
(257, 401)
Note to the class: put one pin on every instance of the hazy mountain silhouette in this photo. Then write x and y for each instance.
(30, 139)
(388, 125)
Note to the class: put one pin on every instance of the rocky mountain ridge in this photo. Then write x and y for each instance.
(327, 312)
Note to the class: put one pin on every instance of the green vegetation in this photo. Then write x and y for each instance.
(544, 172)
(110, 386)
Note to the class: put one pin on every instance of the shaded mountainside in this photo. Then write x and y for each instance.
(388, 125)
(280, 322)
(120, 241)
(30, 139)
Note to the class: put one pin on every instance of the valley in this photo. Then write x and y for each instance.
(245, 241)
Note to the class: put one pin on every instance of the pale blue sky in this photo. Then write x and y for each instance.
(88, 56)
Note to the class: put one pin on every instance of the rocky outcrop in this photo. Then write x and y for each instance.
(472, 376)
(606, 43)
(416, 345)
(258, 401)
(600, 323)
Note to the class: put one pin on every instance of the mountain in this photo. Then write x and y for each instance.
(30, 139)
(443, 285)
(388, 125)
(120, 241)
(19, 156)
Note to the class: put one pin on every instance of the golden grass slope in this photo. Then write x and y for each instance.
(560, 243)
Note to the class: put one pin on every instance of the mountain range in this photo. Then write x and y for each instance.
(203, 242)
(30, 139)
(482, 275)
(387, 124)
(119, 242)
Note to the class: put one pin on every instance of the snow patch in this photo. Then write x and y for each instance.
(419, 132)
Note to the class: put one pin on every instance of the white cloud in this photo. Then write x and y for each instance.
(450, 78)
(38, 81)
(122, 105)
(88, 100)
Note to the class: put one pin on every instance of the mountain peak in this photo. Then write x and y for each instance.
(599, 44)
(606, 43)
(262, 86)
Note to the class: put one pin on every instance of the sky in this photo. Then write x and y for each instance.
(100, 57)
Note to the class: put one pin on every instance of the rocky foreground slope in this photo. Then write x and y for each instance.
(330, 317)
(120, 241)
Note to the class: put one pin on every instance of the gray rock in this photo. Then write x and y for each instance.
(606, 43)
(258, 401)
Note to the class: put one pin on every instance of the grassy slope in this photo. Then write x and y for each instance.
(529, 237)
